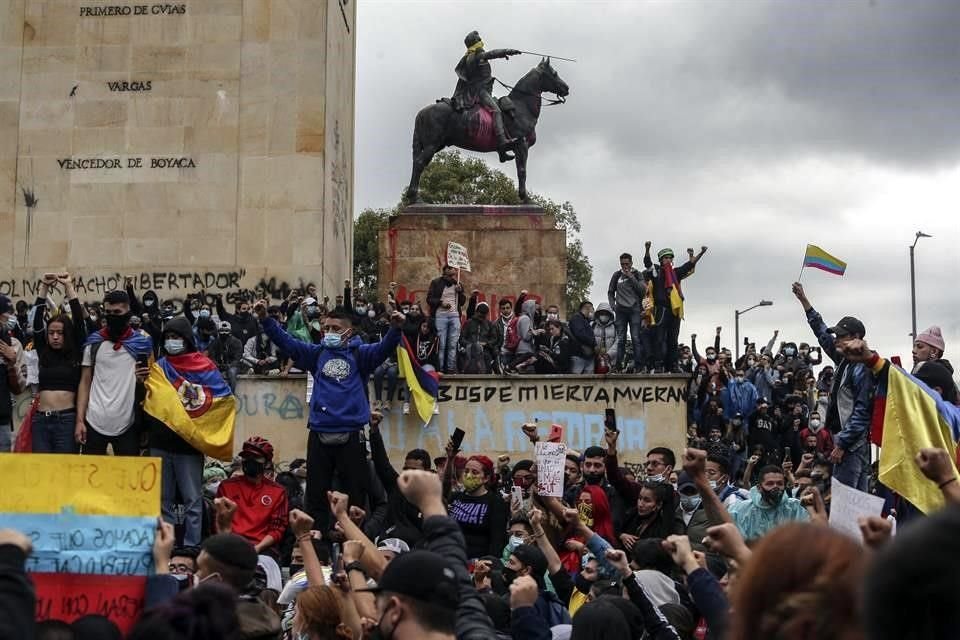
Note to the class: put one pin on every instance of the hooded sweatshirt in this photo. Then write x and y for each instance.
(338, 403)
(754, 517)
(525, 328)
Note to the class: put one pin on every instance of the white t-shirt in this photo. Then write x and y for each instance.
(112, 390)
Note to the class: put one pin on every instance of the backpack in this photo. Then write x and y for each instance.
(512, 338)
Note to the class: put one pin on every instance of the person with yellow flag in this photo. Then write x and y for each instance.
(189, 412)
(668, 303)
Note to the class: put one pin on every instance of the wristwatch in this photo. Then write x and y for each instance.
(353, 566)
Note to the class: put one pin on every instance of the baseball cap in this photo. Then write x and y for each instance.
(421, 575)
(395, 545)
(684, 481)
(848, 325)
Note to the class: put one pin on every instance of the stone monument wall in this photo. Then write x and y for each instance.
(510, 249)
(191, 144)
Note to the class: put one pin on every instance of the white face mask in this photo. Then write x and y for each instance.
(212, 487)
(553, 316)
(174, 346)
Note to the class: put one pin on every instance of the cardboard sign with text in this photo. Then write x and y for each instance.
(847, 505)
(550, 462)
(457, 256)
(92, 521)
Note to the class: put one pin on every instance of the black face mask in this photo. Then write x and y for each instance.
(116, 325)
(593, 478)
(509, 575)
(772, 497)
(252, 468)
(295, 569)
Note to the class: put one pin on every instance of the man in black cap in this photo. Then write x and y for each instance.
(529, 560)
(850, 408)
(13, 371)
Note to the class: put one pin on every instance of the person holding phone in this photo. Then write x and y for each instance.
(115, 363)
(13, 371)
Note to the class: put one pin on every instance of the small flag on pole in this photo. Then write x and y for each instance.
(819, 259)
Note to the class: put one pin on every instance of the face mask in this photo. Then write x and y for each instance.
(212, 488)
(514, 542)
(472, 483)
(690, 503)
(148, 303)
(711, 357)
(404, 310)
(295, 569)
(788, 352)
(243, 314)
(174, 346)
(740, 378)
(506, 315)
(197, 580)
(116, 325)
(772, 497)
(332, 339)
(657, 478)
(252, 468)
(224, 336)
(593, 478)
(360, 309)
(714, 485)
(204, 313)
(553, 316)
(11, 323)
(509, 575)
(814, 424)
(751, 362)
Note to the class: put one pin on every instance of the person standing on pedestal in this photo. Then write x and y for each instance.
(445, 298)
(340, 365)
(668, 302)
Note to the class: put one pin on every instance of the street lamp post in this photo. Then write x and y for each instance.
(736, 323)
(913, 287)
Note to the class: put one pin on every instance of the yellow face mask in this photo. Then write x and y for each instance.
(585, 511)
(475, 47)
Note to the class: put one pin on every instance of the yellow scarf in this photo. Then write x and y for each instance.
(475, 47)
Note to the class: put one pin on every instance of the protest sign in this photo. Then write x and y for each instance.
(848, 504)
(550, 462)
(92, 521)
(457, 256)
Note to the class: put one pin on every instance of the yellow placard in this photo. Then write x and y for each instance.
(87, 485)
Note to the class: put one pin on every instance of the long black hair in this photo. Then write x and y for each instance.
(70, 350)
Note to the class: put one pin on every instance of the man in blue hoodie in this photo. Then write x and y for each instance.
(340, 365)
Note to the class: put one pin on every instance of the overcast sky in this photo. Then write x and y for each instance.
(750, 127)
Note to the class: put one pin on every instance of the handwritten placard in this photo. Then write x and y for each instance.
(550, 463)
(92, 521)
(847, 505)
(457, 256)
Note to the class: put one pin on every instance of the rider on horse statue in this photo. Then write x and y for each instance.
(475, 85)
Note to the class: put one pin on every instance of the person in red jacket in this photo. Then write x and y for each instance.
(262, 509)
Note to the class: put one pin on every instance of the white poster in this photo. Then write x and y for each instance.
(550, 463)
(457, 256)
(847, 505)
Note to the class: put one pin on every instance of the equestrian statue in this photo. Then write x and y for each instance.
(473, 119)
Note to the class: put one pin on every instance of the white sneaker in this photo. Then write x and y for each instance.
(386, 405)
(406, 408)
(436, 408)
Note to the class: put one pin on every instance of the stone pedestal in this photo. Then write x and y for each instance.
(510, 247)
(182, 142)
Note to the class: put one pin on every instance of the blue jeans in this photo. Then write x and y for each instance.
(183, 471)
(854, 469)
(448, 328)
(391, 371)
(633, 317)
(579, 364)
(6, 438)
(54, 433)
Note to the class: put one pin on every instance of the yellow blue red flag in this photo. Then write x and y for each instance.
(422, 382)
(909, 416)
(188, 394)
(817, 258)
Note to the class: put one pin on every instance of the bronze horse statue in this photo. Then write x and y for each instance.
(440, 125)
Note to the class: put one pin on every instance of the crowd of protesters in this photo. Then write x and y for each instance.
(726, 539)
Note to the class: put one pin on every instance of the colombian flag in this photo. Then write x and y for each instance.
(423, 383)
(909, 416)
(672, 284)
(819, 259)
(188, 394)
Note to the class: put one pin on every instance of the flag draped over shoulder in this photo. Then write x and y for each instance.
(188, 394)
(422, 383)
(909, 416)
(819, 259)
(137, 344)
(672, 284)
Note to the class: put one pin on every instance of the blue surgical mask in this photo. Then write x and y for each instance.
(204, 313)
(690, 503)
(332, 340)
(514, 542)
(12, 323)
(174, 346)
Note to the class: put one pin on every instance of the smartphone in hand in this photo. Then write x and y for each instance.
(457, 437)
(610, 420)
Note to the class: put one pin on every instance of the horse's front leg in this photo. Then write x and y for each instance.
(521, 159)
